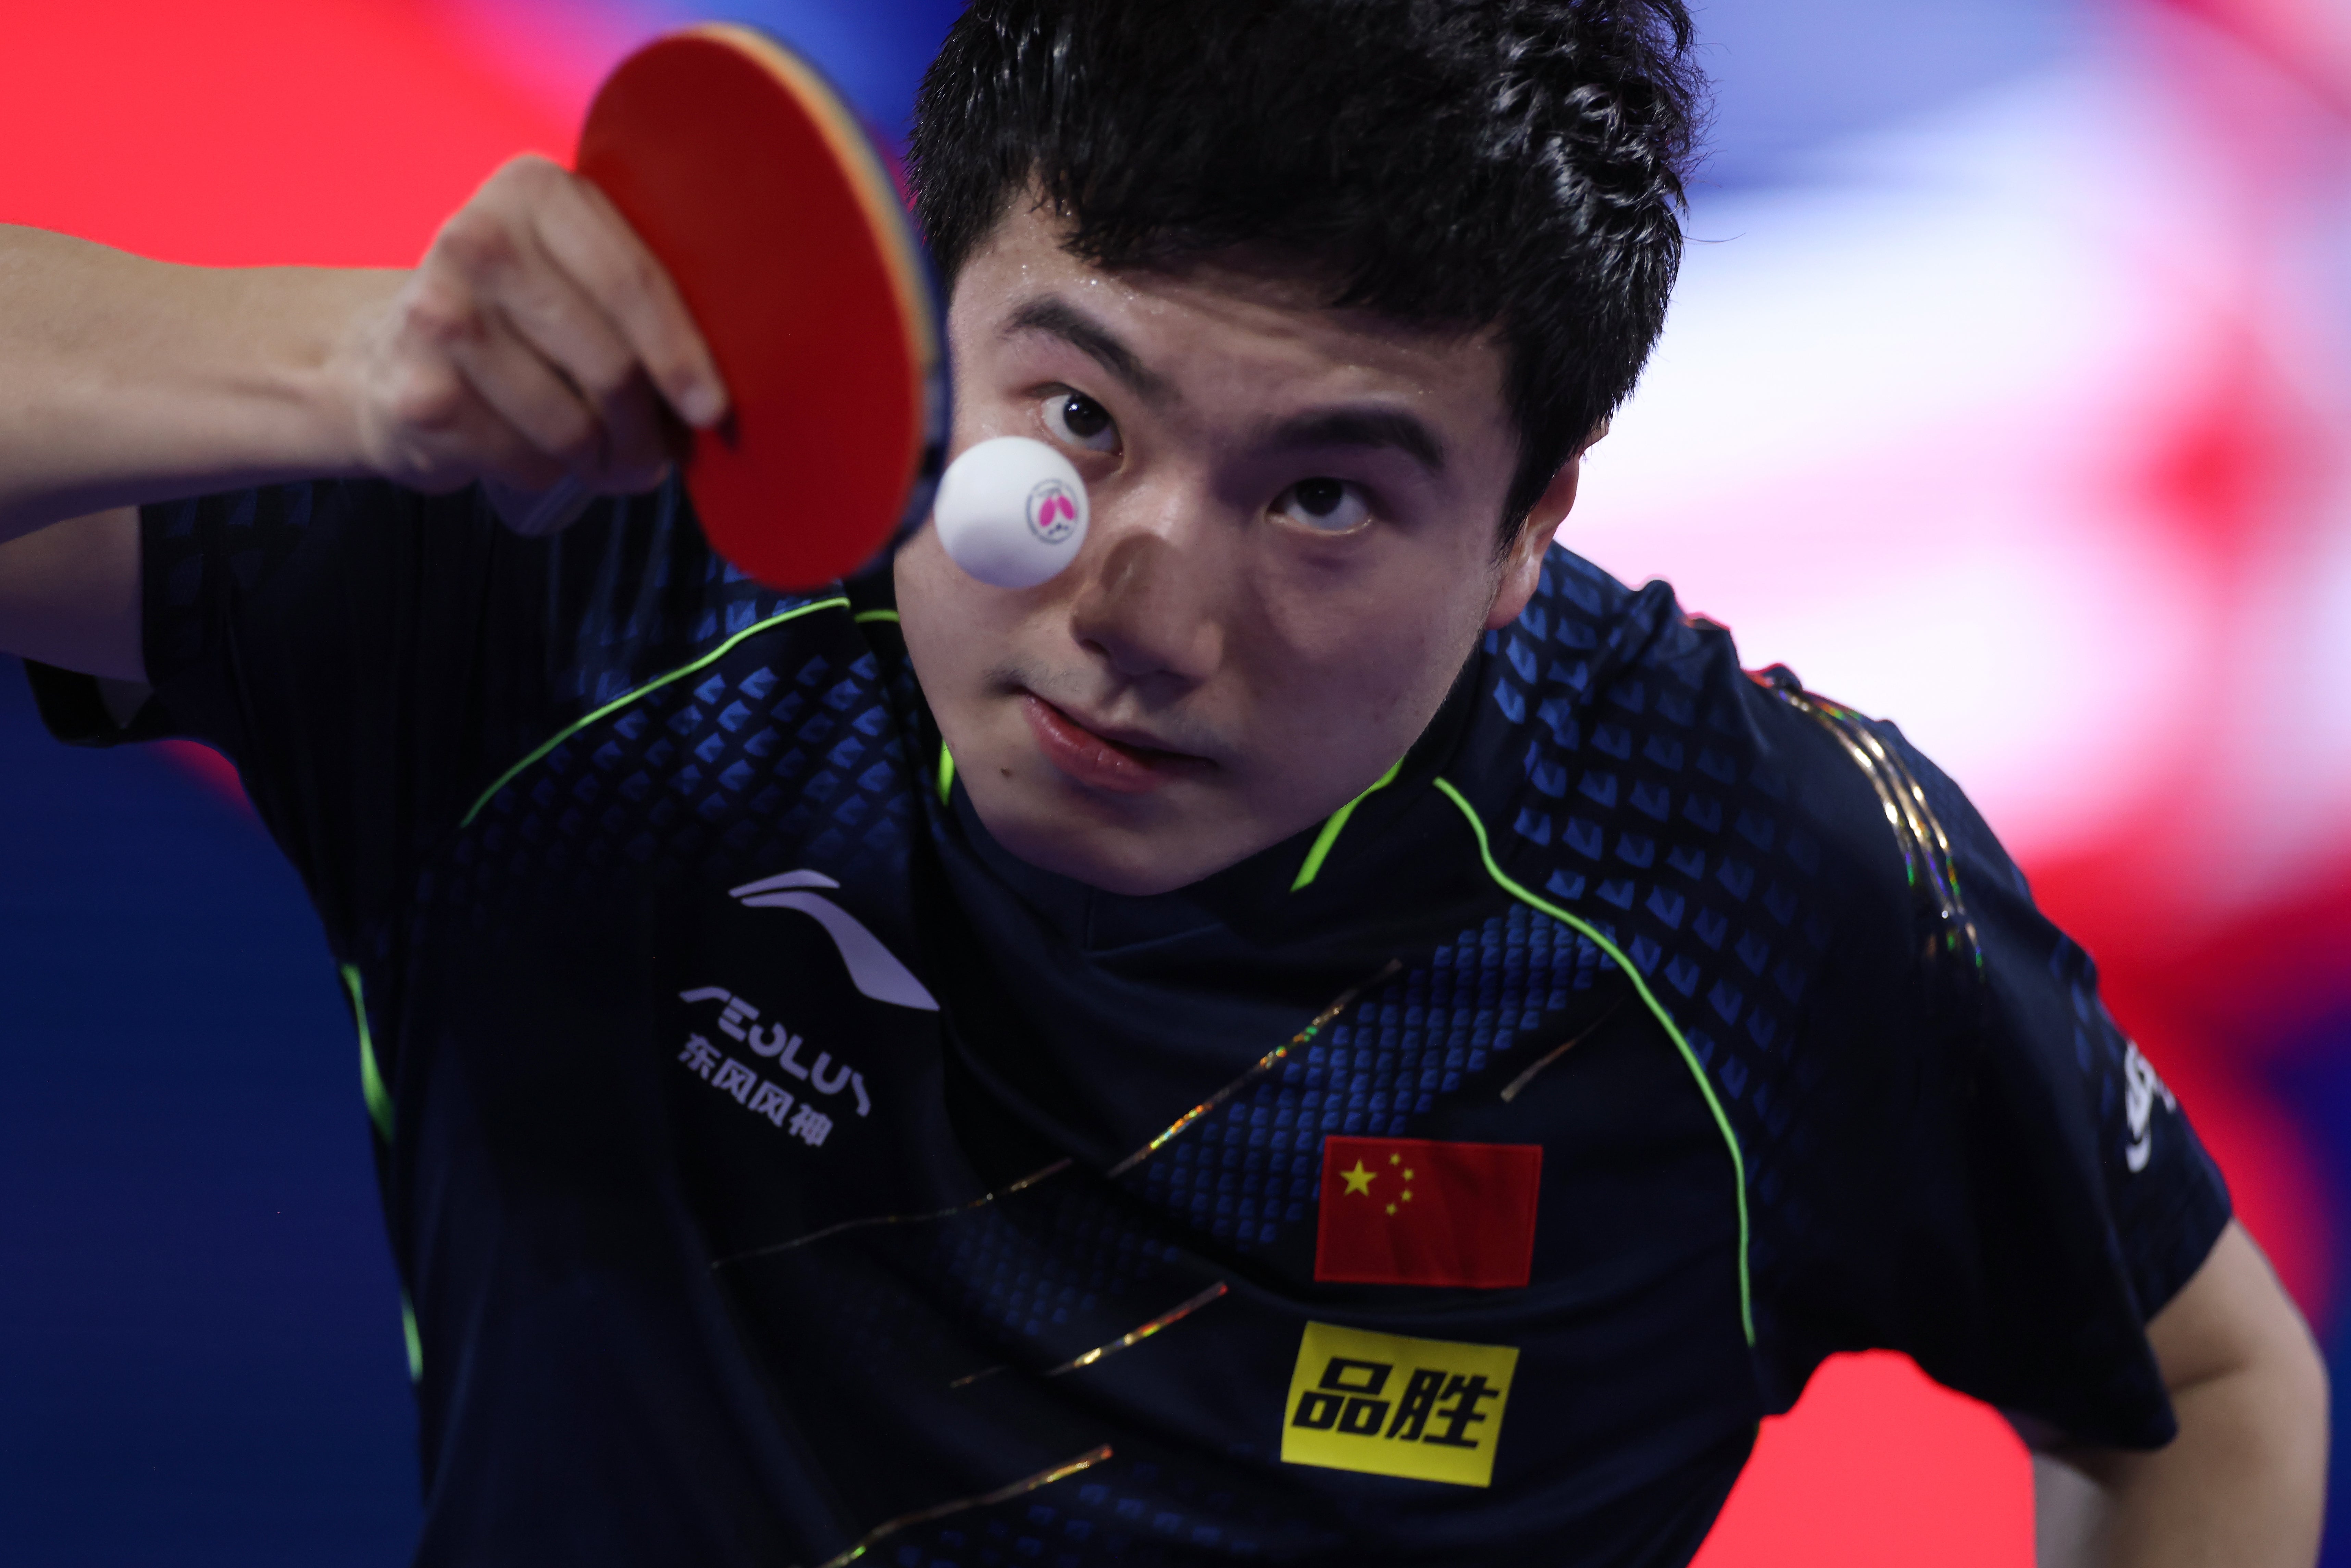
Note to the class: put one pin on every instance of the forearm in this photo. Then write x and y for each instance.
(131, 381)
(538, 342)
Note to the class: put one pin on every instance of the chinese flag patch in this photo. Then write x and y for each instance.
(1414, 1211)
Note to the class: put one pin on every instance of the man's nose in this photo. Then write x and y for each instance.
(1149, 601)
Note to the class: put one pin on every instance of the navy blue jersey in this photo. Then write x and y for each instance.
(780, 1172)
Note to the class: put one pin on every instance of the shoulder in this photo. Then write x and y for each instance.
(1623, 759)
(645, 626)
(1727, 836)
(1910, 1058)
(636, 594)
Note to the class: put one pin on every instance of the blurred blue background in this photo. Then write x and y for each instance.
(202, 1357)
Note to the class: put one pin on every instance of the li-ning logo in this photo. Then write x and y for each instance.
(1052, 511)
(2141, 1088)
(872, 968)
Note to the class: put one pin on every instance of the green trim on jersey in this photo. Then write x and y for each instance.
(864, 617)
(1673, 1032)
(378, 1099)
(414, 1341)
(946, 773)
(567, 731)
(1331, 829)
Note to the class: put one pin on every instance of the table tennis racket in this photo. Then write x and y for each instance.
(755, 186)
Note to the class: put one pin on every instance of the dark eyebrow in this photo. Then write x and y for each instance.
(1056, 316)
(1367, 428)
(1362, 428)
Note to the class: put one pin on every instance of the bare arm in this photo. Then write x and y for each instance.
(538, 341)
(133, 380)
(2244, 1483)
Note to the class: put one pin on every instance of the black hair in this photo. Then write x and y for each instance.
(1472, 164)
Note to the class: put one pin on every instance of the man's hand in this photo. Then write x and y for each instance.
(538, 343)
(2244, 1484)
(538, 347)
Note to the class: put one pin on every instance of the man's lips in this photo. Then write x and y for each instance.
(1121, 767)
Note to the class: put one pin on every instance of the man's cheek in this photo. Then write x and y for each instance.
(1359, 694)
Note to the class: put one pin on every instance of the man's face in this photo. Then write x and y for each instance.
(1290, 554)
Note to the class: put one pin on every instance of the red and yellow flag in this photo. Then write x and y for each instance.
(1416, 1211)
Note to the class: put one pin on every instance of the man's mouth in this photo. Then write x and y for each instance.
(1119, 762)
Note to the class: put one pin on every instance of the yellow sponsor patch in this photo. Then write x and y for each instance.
(1430, 1409)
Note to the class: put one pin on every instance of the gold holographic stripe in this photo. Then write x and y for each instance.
(1917, 832)
(982, 1201)
(1927, 828)
(1264, 1063)
(1895, 818)
(1173, 1314)
(1960, 930)
(1510, 1089)
(1061, 1471)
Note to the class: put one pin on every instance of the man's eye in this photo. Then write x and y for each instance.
(1081, 421)
(1326, 506)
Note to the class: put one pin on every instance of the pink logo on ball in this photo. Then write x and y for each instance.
(1052, 511)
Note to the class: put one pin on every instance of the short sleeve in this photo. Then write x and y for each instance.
(375, 661)
(358, 650)
(2048, 1195)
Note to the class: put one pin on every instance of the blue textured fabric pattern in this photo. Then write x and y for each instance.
(536, 788)
(1629, 777)
(1928, 1124)
(329, 595)
(1254, 1166)
(735, 769)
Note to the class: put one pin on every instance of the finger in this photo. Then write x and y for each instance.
(548, 312)
(531, 398)
(440, 428)
(494, 270)
(590, 239)
(501, 455)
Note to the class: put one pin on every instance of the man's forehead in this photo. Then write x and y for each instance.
(1026, 275)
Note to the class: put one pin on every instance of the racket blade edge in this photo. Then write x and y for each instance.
(757, 189)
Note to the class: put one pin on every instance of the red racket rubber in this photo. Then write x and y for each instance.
(755, 186)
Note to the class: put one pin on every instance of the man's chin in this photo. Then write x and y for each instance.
(1133, 862)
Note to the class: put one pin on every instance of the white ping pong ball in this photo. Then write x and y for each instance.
(1011, 512)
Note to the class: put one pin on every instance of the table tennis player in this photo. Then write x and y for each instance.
(1330, 1032)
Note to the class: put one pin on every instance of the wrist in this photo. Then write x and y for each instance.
(321, 368)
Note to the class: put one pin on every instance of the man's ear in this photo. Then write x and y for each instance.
(1522, 563)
